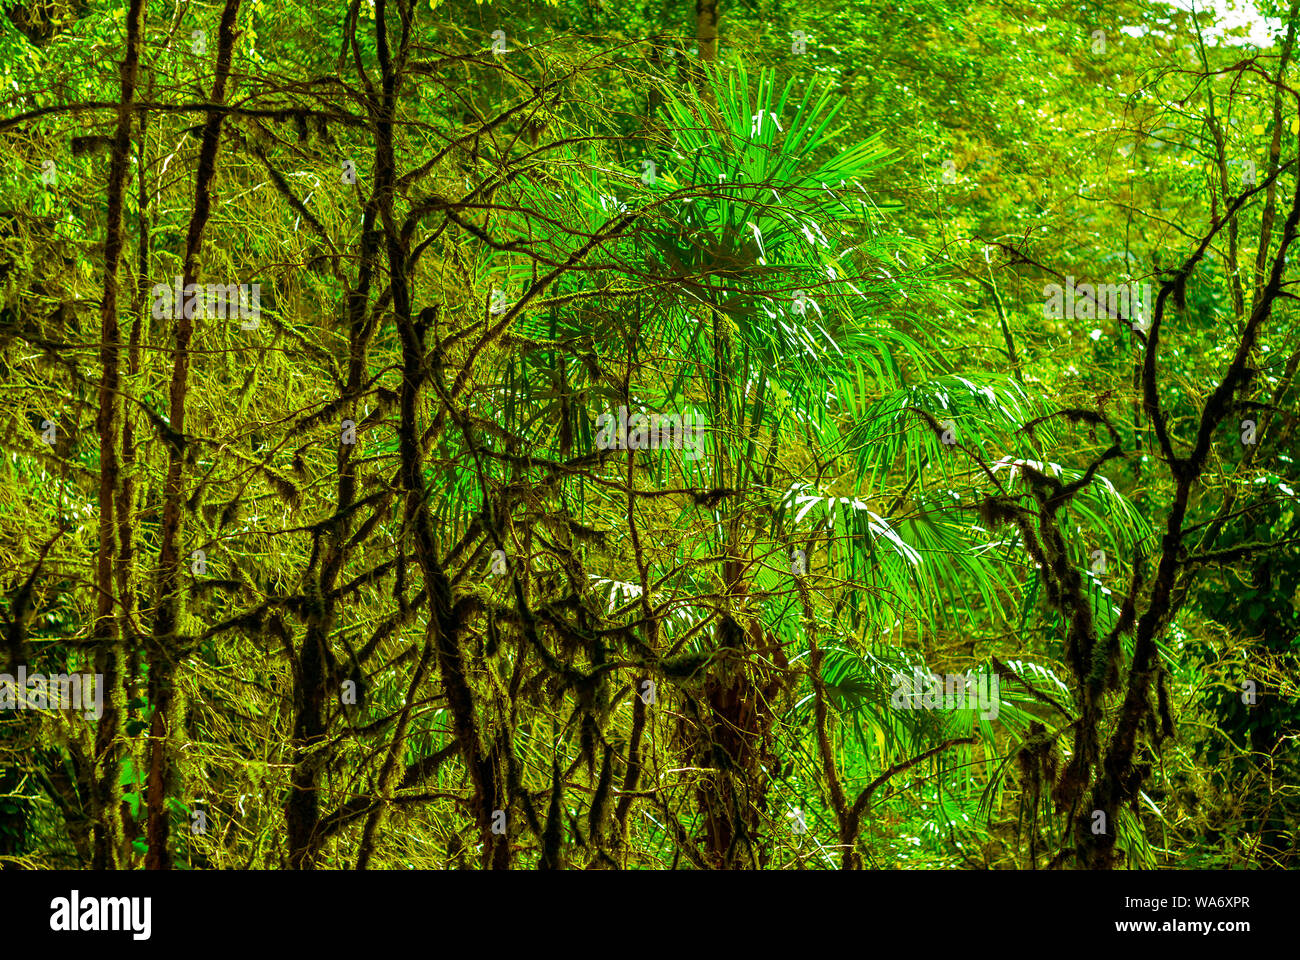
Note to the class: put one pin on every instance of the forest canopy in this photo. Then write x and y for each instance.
(752, 434)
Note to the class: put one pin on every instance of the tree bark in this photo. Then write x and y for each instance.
(107, 830)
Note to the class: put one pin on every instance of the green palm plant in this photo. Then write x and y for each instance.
(763, 282)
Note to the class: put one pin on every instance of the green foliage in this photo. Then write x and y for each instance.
(832, 261)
